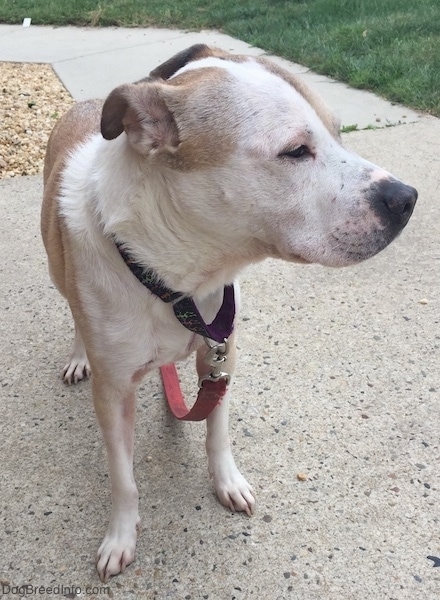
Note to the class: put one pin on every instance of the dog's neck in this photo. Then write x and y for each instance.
(184, 307)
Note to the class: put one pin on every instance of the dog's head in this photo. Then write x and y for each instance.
(256, 154)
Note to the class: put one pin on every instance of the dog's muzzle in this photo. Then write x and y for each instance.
(392, 204)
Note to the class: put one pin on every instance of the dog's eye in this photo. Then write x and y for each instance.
(296, 153)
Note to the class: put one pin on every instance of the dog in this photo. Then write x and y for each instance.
(213, 162)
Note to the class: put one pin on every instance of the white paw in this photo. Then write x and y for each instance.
(116, 551)
(76, 369)
(231, 487)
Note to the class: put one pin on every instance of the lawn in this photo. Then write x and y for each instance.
(391, 47)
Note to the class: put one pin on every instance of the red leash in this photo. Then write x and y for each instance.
(209, 396)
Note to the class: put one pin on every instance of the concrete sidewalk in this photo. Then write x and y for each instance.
(338, 378)
(91, 62)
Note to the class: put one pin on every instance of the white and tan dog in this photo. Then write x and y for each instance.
(213, 162)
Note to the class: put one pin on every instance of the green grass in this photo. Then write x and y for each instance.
(389, 46)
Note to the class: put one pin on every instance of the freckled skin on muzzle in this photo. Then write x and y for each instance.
(392, 203)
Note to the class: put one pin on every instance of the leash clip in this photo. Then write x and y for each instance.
(216, 355)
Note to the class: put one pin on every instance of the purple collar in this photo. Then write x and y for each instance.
(184, 307)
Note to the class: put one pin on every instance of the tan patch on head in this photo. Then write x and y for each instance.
(329, 119)
(198, 100)
(173, 123)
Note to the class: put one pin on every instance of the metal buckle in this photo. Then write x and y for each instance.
(216, 355)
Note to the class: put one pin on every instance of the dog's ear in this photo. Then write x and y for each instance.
(171, 66)
(139, 110)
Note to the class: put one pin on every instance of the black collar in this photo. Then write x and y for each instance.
(184, 306)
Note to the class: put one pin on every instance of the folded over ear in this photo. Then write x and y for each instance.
(171, 66)
(139, 110)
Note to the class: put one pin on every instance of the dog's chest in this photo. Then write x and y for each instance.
(134, 331)
(142, 331)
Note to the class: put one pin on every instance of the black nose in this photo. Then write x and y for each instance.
(398, 198)
(394, 202)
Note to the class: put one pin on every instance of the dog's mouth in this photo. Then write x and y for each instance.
(341, 249)
(295, 258)
(290, 256)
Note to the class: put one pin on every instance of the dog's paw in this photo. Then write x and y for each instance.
(77, 368)
(116, 552)
(231, 487)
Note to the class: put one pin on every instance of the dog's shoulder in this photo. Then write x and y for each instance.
(73, 128)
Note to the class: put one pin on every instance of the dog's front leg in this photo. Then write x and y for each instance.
(231, 487)
(115, 411)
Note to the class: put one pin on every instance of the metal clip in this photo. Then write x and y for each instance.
(216, 355)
